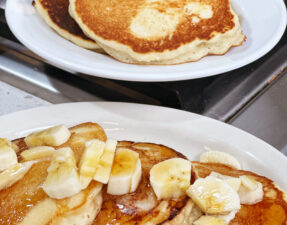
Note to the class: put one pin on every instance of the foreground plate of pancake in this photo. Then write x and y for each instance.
(188, 133)
(263, 28)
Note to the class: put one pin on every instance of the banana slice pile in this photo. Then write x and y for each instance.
(218, 196)
(121, 170)
(11, 170)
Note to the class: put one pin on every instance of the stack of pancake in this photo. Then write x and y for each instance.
(146, 31)
(26, 203)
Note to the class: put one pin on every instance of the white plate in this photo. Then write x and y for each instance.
(186, 132)
(263, 22)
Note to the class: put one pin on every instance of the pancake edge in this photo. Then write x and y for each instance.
(88, 44)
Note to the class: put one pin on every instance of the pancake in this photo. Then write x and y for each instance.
(272, 210)
(159, 31)
(25, 202)
(55, 14)
(142, 207)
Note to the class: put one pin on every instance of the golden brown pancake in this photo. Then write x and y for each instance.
(272, 210)
(56, 15)
(142, 206)
(159, 31)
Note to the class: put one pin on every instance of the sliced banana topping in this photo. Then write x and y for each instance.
(105, 164)
(228, 217)
(170, 178)
(63, 179)
(249, 183)
(234, 182)
(250, 191)
(13, 174)
(220, 157)
(214, 196)
(210, 220)
(126, 172)
(8, 156)
(90, 160)
(38, 152)
(53, 136)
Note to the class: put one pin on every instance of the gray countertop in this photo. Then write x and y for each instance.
(13, 99)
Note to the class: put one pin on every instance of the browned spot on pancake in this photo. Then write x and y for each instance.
(58, 12)
(21, 145)
(123, 209)
(110, 19)
(272, 210)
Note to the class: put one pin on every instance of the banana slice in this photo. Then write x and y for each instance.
(90, 160)
(53, 136)
(13, 174)
(104, 167)
(38, 152)
(234, 182)
(250, 191)
(8, 156)
(62, 180)
(126, 172)
(228, 217)
(210, 220)
(170, 178)
(216, 219)
(214, 196)
(220, 157)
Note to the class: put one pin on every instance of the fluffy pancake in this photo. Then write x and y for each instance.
(159, 31)
(142, 206)
(55, 14)
(272, 210)
(26, 203)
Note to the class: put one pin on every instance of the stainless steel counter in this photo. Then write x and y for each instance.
(266, 115)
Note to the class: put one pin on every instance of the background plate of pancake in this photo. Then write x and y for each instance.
(187, 133)
(148, 40)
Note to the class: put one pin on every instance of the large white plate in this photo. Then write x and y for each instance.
(186, 132)
(263, 22)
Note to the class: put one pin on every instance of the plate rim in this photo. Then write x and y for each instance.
(146, 107)
(154, 76)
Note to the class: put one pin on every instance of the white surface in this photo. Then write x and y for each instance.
(263, 22)
(188, 133)
(13, 99)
